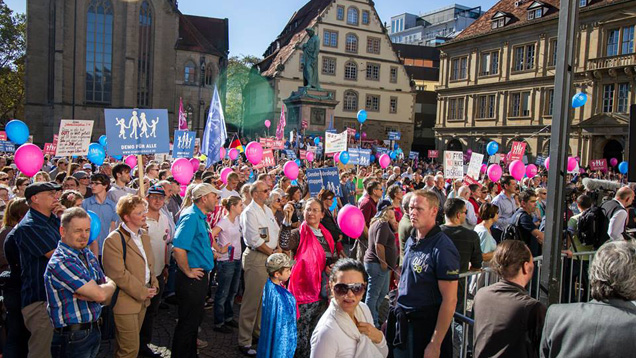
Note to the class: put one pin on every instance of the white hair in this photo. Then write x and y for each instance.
(613, 271)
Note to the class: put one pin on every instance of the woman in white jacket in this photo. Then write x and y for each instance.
(346, 329)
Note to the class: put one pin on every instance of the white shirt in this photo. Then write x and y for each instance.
(617, 223)
(255, 217)
(227, 193)
(230, 234)
(159, 233)
(137, 239)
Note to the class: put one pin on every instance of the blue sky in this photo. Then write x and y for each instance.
(255, 23)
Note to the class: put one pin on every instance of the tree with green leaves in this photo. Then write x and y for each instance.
(12, 56)
(238, 70)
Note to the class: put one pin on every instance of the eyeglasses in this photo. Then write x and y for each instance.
(4, 179)
(96, 183)
(342, 289)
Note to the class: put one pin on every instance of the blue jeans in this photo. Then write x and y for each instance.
(378, 288)
(228, 276)
(76, 344)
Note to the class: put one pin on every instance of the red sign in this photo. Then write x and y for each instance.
(266, 142)
(598, 164)
(3, 135)
(278, 144)
(351, 132)
(49, 149)
(303, 154)
(433, 154)
(268, 159)
(517, 151)
(468, 180)
(304, 124)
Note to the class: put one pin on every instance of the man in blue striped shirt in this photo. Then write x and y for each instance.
(75, 286)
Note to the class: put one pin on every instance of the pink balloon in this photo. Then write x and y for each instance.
(222, 153)
(531, 170)
(351, 221)
(233, 154)
(224, 173)
(29, 159)
(517, 169)
(494, 172)
(309, 156)
(469, 151)
(254, 152)
(195, 164)
(571, 163)
(484, 167)
(384, 160)
(546, 164)
(291, 170)
(613, 162)
(364, 135)
(131, 160)
(267, 123)
(336, 157)
(183, 190)
(182, 171)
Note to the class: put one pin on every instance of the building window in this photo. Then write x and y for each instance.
(189, 73)
(498, 23)
(340, 12)
(373, 103)
(330, 38)
(627, 40)
(99, 51)
(520, 104)
(352, 16)
(489, 63)
(608, 98)
(351, 71)
(373, 71)
(351, 44)
(210, 75)
(373, 45)
(145, 55)
(458, 68)
(552, 53)
(328, 65)
(456, 108)
(486, 106)
(612, 42)
(393, 105)
(350, 103)
(620, 41)
(394, 74)
(549, 102)
(623, 98)
(524, 58)
(535, 13)
(365, 17)
(582, 3)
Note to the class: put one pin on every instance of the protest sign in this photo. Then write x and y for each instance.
(351, 132)
(598, 164)
(6, 146)
(474, 167)
(302, 155)
(433, 154)
(183, 146)
(74, 137)
(469, 181)
(137, 131)
(539, 161)
(395, 135)
(335, 142)
(268, 159)
(48, 149)
(517, 151)
(326, 178)
(3, 135)
(266, 142)
(359, 156)
(453, 165)
(278, 144)
(414, 155)
(290, 154)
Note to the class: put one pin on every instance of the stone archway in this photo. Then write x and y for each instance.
(454, 144)
(613, 149)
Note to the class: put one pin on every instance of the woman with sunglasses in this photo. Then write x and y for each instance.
(346, 329)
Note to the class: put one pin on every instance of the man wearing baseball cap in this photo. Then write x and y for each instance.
(193, 253)
(36, 237)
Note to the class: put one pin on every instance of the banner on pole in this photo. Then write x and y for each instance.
(323, 178)
(183, 146)
(137, 131)
(433, 154)
(517, 150)
(74, 137)
(335, 142)
(358, 156)
(453, 165)
(598, 164)
(474, 167)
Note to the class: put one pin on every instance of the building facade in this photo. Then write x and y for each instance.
(434, 27)
(358, 66)
(497, 79)
(119, 54)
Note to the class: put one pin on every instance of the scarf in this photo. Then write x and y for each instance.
(365, 348)
(306, 275)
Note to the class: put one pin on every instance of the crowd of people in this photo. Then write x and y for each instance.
(92, 253)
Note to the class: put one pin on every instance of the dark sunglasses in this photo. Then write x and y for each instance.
(341, 289)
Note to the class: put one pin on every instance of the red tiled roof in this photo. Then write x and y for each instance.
(203, 34)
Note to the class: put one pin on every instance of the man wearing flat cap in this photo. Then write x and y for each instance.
(37, 236)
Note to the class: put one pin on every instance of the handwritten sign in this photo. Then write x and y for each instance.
(598, 164)
(433, 154)
(517, 151)
(453, 165)
(74, 137)
(335, 142)
(474, 167)
(137, 131)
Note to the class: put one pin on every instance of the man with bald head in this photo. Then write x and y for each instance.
(616, 212)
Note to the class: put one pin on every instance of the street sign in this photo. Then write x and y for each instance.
(137, 131)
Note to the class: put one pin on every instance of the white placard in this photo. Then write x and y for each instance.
(335, 142)
(74, 137)
(453, 165)
(474, 167)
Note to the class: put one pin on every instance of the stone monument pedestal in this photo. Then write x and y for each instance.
(310, 109)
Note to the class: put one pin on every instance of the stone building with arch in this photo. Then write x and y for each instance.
(128, 54)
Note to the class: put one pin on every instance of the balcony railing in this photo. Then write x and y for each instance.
(610, 62)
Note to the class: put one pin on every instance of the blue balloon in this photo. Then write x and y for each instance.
(96, 226)
(96, 154)
(316, 140)
(118, 157)
(294, 182)
(357, 136)
(17, 131)
(622, 167)
(362, 116)
(579, 99)
(333, 205)
(297, 162)
(103, 141)
(492, 148)
(392, 155)
(344, 157)
(395, 146)
(372, 158)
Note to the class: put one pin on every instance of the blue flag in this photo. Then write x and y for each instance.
(215, 133)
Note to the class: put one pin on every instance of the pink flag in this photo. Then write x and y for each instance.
(183, 121)
(280, 129)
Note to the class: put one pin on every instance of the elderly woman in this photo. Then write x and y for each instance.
(346, 329)
(128, 260)
(314, 251)
(603, 327)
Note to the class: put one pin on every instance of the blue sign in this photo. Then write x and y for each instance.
(539, 160)
(290, 154)
(183, 146)
(137, 131)
(395, 135)
(360, 156)
(414, 155)
(6, 146)
(382, 150)
(327, 178)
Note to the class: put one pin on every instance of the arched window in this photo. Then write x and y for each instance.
(351, 44)
(209, 75)
(189, 73)
(145, 55)
(351, 70)
(350, 102)
(352, 16)
(99, 51)
(189, 114)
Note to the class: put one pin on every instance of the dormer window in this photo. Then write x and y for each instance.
(499, 20)
(536, 10)
(583, 3)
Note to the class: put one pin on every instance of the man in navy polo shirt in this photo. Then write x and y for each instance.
(37, 236)
(427, 292)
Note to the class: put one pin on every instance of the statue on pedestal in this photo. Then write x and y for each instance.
(310, 60)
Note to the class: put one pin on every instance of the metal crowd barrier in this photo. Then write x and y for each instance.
(574, 278)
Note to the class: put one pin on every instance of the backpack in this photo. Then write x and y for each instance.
(592, 227)
(512, 231)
